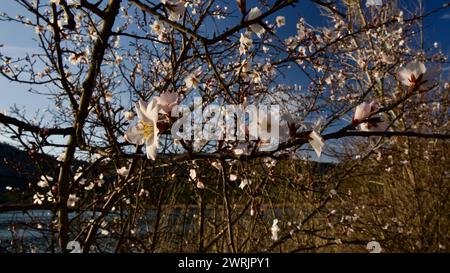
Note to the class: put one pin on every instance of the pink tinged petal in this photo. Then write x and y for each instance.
(171, 106)
(167, 101)
(316, 142)
(134, 135)
(374, 106)
(416, 69)
(362, 112)
(168, 98)
(404, 74)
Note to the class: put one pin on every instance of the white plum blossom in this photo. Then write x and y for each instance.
(158, 28)
(123, 171)
(146, 130)
(176, 8)
(412, 73)
(193, 174)
(43, 183)
(244, 67)
(269, 162)
(129, 115)
(316, 141)
(72, 200)
(374, 247)
(281, 21)
(216, 165)
(50, 197)
(252, 211)
(192, 80)
(77, 58)
(244, 183)
(275, 229)
(90, 186)
(118, 59)
(364, 110)
(256, 28)
(167, 101)
(200, 185)
(100, 181)
(256, 77)
(246, 43)
(108, 96)
(38, 198)
(39, 29)
(371, 3)
(61, 157)
(104, 232)
(193, 177)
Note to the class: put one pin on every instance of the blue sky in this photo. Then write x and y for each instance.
(17, 40)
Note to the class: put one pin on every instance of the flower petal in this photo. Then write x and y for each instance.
(141, 106)
(253, 14)
(362, 112)
(316, 142)
(404, 75)
(150, 148)
(258, 29)
(134, 135)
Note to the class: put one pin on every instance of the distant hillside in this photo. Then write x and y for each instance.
(17, 168)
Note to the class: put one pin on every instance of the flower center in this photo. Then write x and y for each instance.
(148, 129)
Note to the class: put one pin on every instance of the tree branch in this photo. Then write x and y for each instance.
(35, 129)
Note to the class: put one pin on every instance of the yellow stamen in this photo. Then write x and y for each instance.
(148, 129)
